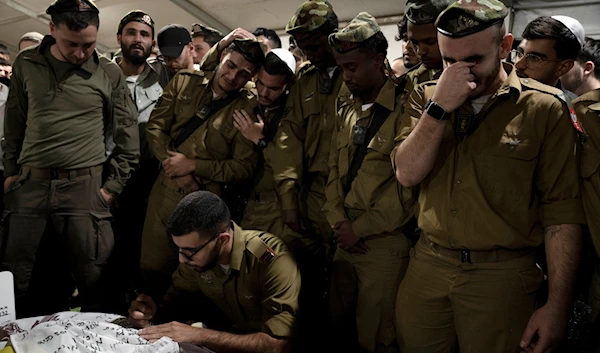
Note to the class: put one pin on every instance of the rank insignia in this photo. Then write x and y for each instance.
(268, 256)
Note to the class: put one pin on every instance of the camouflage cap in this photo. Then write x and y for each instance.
(310, 16)
(252, 50)
(136, 16)
(422, 12)
(62, 6)
(466, 17)
(361, 28)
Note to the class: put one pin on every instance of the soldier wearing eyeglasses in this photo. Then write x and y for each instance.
(227, 277)
(548, 50)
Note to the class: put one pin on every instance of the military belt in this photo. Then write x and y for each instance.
(477, 256)
(56, 174)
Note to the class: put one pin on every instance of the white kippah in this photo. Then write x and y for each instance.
(286, 57)
(574, 26)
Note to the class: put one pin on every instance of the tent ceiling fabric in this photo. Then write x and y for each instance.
(21, 16)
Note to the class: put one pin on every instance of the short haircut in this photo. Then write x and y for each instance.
(269, 34)
(76, 21)
(376, 43)
(252, 53)
(402, 30)
(210, 36)
(275, 66)
(3, 49)
(4, 62)
(566, 47)
(591, 52)
(202, 212)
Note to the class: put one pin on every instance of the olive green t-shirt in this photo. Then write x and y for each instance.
(60, 68)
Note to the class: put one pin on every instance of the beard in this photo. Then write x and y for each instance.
(133, 57)
(210, 263)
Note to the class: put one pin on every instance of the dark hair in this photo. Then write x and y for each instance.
(566, 47)
(275, 66)
(402, 30)
(76, 21)
(250, 50)
(4, 62)
(269, 34)
(210, 36)
(202, 212)
(3, 49)
(591, 52)
(376, 43)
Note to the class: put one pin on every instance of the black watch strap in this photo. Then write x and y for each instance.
(436, 111)
(262, 143)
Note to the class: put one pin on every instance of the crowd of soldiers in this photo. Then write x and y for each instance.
(223, 193)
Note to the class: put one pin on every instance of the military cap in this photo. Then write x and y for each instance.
(62, 6)
(467, 17)
(199, 30)
(310, 16)
(361, 28)
(136, 16)
(422, 12)
(252, 50)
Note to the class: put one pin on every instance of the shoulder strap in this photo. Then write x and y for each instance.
(379, 117)
(202, 115)
(260, 249)
(273, 124)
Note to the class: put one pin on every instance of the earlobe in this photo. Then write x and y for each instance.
(565, 67)
(589, 68)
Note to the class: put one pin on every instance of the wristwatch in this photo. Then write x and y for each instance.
(436, 111)
(262, 143)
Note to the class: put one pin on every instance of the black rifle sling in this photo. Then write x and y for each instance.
(379, 117)
(202, 115)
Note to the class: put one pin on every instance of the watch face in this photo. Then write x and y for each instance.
(262, 143)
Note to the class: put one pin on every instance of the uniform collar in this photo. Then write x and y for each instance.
(147, 74)
(239, 247)
(37, 55)
(512, 83)
(386, 96)
(591, 96)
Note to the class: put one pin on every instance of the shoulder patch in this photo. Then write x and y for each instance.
(261, 250)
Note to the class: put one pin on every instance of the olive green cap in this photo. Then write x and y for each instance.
(62, 6)
(310, 16)
(422, 12)
(361, 28)
(466, 17)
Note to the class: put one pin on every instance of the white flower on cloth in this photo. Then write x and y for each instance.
(85, 333)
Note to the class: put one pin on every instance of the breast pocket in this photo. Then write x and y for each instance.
(509, 169)
(221, 135)
(380, 148)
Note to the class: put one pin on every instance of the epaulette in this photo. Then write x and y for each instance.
(305, 68)
(540, 87)
(188, 72)
(594, 107)
(344, 96)
(261, 250)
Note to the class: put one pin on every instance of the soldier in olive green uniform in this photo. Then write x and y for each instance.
(421, 32)
(213, 156)
(584, 80)
(495, 159)
(366, 206)
(303, 140)
(62, 98)
(229, 279)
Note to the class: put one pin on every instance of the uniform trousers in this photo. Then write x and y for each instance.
(56, 228)
(363, 292)
(485, 305)
(159, 257)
